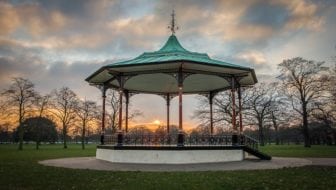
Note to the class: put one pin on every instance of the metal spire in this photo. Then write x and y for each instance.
(173, 26)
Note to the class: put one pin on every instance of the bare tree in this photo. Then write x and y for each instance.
(279, 112)
(113, 107)
(258, 107)
(19, 99)
(87, 111)
(200, 130)
(64, 104)
(332, 84)
(112, 100)
(325, 113)
(304, 85)
(41, 104)
(222, 110)
(325, 110)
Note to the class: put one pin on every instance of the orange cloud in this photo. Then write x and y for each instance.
(30, 17)
(145, 26)
(9, 19)
(38, 22)
(253, 56)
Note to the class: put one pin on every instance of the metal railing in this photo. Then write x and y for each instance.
(249, 141)
(208, 140)
(189, 140)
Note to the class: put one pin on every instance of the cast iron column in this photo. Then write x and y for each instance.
(240, 112)
(102, 137)
(168, 104)
(241, 136)
(168, 130)
(127, 102)
(233, 91)
(120, 133)
(180, 138)
(211, 117)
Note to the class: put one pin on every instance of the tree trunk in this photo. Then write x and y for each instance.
(277, 141)
(275, 125)
(38, 131)
(83, 136)
(64, 136)
(305, 126)
(113, 123)
(328, 132)
(37, 140)
(261, 134)
(21, 130)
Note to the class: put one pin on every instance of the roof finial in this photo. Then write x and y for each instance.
(172, 26)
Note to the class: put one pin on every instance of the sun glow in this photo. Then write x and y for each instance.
(157, 122)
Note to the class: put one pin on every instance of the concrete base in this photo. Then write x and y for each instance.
(169, 156)
(247, 164)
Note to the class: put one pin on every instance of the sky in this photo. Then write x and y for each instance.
(60, 43)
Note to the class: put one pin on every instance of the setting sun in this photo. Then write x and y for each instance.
(156, 122)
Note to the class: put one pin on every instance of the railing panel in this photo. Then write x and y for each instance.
(190, 140)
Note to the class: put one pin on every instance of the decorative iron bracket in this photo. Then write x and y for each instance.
(168, 97)
(102, 87)
(126, 92)
(211, 95)
(180, 76)
(121, 80)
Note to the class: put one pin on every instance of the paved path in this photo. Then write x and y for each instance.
(323, 161)
(248, 164)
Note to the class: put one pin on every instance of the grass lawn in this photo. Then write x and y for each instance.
(300, 151)
(20, 170)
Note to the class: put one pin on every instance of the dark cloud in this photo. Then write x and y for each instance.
(75, 8)
(265, 13)
(46, 75)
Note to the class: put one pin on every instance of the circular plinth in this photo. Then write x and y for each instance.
(247, 164)
(169, 154)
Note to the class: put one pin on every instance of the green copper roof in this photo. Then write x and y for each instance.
(172, 45)
(148, 72)
(170, 52)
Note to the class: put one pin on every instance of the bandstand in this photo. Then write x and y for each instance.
(171, 72)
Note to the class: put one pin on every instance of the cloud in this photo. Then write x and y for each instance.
(253, 57)
(9, 20)
(117, 27)
(78, 9)
(32, 18)
(24, 62)
(265, 14)
(17, 61)
(303, 15)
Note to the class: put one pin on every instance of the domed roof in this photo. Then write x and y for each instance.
(153, 72)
